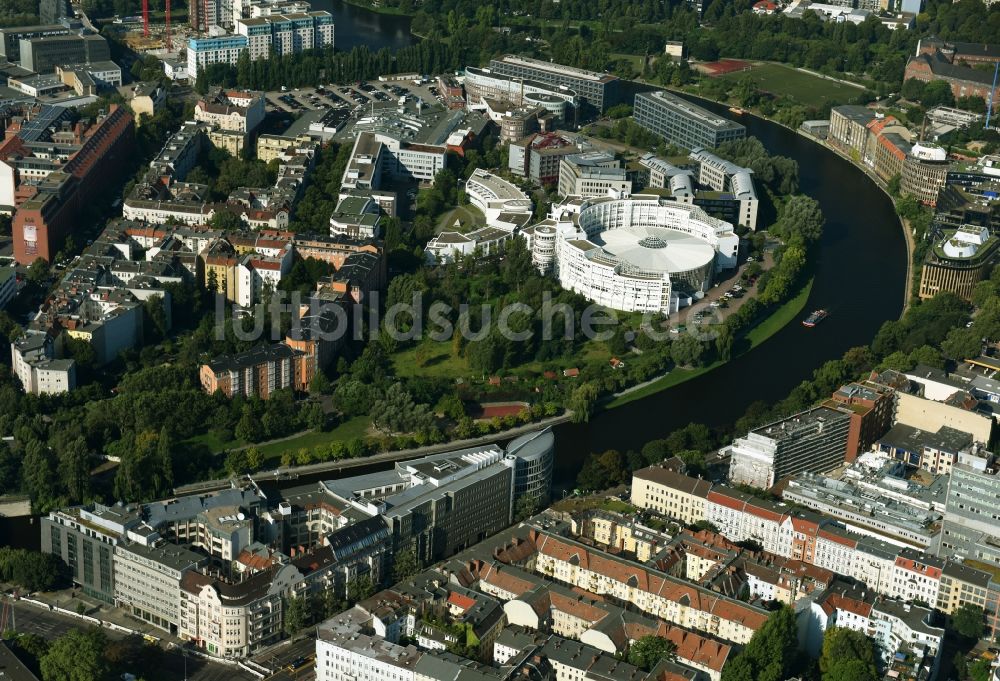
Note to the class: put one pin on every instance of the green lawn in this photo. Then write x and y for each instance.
(430, 359)
(760, 333)
(783, 315)
(470, 217)
(356, 427)
(805, 88)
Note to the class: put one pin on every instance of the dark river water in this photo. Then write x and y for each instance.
(860, 272)
(358, 26)
(859, 276)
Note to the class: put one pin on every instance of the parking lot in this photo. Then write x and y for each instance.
(355, 97)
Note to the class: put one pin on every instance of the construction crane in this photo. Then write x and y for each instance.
(145, 20)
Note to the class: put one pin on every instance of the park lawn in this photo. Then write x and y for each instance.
(212, 442)
(438, 362)
(470, 216)
(349, 430)
(635, 59)
(805, 88)
(784, 314)
(757, 335)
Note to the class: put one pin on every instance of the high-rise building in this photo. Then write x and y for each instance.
(44, 53)
(680, 122)
(202, 52)
(814, 440)
(924, 172)
(286, 33)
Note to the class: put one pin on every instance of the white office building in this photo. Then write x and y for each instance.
(634, 254)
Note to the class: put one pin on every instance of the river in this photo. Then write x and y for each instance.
(860, 272)
(859, 276)
(358, 26)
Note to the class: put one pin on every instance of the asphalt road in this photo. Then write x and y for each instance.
(34, 620)
(279, 657)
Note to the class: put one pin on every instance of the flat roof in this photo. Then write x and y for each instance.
(690, 110)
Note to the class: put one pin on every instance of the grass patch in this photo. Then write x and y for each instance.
(784, 314)
(617, 506)
(349, 430)
(805, 88)
(212, 442)
(429, 359)
(634, 59)
(470, 217)
(757, 335)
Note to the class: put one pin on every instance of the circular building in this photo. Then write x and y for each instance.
(642, 254)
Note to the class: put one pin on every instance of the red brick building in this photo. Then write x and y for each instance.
(933, 63)
(43, 221)
(960, 53)
(871, 409)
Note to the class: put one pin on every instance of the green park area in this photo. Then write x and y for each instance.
(757, 335)
(806, 88)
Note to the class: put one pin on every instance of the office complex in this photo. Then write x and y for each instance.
(634, 254)
(484, 84)
(598, 90)
(219, 568)
(538, 156)
(591, 175)
(958, 262)
(682, 123)
(849, 128)
(11, 37)
(813, 440)
(44, 53)
(871, 408)
(731, 195)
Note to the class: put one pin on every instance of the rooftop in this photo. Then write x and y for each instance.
(691, 111)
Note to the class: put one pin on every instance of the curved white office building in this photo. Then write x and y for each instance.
(637, 254)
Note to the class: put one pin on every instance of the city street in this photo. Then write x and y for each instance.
(279, 657)
(31, 619)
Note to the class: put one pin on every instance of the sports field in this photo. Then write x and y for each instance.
(804, 87)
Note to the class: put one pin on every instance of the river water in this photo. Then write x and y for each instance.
(859, 276)
(355, 26)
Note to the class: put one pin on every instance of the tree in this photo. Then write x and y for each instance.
(38, 271)
(296, 616)
(255, 458)
(404, 565)
(847, 654)
(772, 653)
(937, 92)
(525, 507)
(76, 656)
(360, 588)
(968, 621)
(649, 650)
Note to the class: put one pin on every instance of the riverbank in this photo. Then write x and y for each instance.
(907, 232)
(757, 335)
(379, 9)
